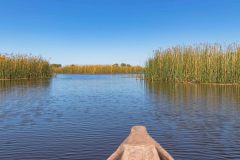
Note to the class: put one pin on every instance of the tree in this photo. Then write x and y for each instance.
(56, 65)
(123, 64)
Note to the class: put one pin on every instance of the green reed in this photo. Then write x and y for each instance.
(98, 69)
(203, 63)
(24, 67)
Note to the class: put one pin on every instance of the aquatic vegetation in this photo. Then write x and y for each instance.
(202, 63)
(24, 67)
(98, 69)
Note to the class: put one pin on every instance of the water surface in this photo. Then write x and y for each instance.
(86, 117)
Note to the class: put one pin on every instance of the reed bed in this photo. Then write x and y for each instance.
(24, 67)
(202, 63)
(98, 69)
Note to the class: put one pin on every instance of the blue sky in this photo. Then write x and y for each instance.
(113, 31)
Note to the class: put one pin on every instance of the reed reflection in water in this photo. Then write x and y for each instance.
(88, 116)
(201, 120)
(7, 86)
(23, 102)
(186, 93)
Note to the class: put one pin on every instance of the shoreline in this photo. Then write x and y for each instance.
(18, 79)
(138, 78)
(194, 83)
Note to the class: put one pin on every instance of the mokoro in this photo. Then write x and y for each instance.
(139, 145)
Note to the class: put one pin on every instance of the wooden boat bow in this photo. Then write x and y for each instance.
(139, 145)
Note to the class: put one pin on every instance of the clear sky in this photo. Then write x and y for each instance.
(113, 31)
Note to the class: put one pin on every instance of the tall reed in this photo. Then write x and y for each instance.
(24, 67)
(98, 69)
(202, 63)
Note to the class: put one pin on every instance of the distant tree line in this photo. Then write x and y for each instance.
(122, 65)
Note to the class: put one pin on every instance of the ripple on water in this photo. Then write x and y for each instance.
(88, 116)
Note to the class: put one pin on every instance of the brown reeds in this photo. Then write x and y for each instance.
(24, 67)
(98, 69)
(203, 63)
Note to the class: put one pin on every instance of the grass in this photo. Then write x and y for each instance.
(24, 67)
(202, 63)
(98, 69)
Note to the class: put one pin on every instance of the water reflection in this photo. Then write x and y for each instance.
(24, 102)
(22, 87)
(12, 84)
(201, 120)
(180, 93)
(87, 116)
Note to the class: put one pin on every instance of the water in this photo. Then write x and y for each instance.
(86, 117)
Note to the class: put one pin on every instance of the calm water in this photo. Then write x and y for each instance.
(86, 117)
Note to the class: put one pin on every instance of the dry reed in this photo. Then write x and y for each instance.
(202, 63)
(24, 67)
(98, 69)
